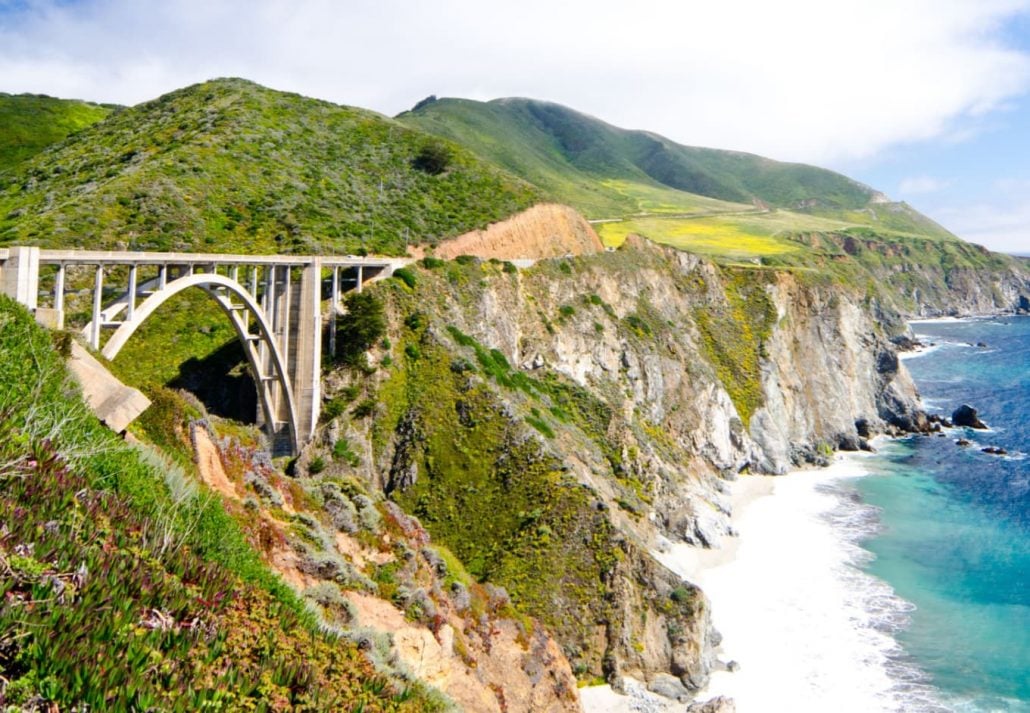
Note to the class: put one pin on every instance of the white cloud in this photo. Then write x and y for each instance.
(794, 79)
(1003, 225)
(921, 185)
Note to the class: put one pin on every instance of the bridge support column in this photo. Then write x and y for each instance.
(98, 303)
(306, 367)
(334, 299)
(20, 276)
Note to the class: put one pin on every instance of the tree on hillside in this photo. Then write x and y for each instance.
(362, 325)
(433, 158)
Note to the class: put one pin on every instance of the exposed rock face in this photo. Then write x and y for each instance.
(658, 377)
(927, 280)
(966, 415)
(543, 231)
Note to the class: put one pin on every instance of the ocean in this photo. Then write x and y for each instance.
(894, 581)
(952, 524)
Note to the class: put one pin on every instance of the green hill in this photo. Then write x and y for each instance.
(568, 153)
(681, 191)
(32, 122)
(229, 165)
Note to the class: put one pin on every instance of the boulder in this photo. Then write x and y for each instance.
(863, 428)
(964, 442)
(719, 704)
(995, 450)
(669, 686)
(966, 415)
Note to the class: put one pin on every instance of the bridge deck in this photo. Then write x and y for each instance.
(116, 257)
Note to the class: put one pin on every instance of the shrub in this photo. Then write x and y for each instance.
(406, 276)
(362, 326)
(342, 451)
(364, 409)
(415, 321)
(431, 263)
(433, 158)
(317, 465)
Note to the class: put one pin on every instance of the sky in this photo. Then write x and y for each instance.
(925, 100)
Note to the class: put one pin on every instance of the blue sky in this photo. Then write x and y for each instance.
(926, 100)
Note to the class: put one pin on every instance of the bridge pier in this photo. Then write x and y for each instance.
(305, 364)
(20, 276)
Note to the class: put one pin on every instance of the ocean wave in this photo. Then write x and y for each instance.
(820, 633)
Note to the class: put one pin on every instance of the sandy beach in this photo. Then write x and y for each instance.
(790, 600)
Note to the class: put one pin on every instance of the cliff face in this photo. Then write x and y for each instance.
(545, 230)
(917, 277)
(553, 426)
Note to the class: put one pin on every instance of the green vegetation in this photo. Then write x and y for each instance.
(111, 555)
(729, 206)
(484, 488)
(733, 335)
(606, 171)
(361, 326)
(33, 122)
(231, 166)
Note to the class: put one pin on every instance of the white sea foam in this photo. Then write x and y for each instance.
(809, 629)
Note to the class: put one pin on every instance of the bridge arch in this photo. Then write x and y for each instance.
(223, 290)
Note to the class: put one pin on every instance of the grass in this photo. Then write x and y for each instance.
(722, 238)
(231, 166)
(33, 122)
(610, 172)
(733, 335)
(111, 556)
(483, 488)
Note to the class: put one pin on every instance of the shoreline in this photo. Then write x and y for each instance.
(690, 563)
(806, 628)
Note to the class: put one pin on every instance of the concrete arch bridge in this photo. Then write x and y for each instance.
(274, 303)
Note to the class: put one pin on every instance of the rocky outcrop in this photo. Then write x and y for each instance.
(931, 278)
(721, 704)
(543, 231)
(648, 378)
(966, 415)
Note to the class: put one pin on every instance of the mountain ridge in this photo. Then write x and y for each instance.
(233, 166)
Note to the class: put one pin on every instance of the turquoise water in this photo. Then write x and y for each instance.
(952, 525)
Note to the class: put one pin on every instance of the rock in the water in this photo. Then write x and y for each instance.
(905, 343)
(720, 704)
(982, 345)
(995, 450)
(966, 415)
(963, 442)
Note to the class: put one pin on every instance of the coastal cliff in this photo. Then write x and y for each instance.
(554, 426)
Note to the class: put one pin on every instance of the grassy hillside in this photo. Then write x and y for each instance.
(32, 122)
(724, 204)
(568, 153)
(111, 555)
(231, 166)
